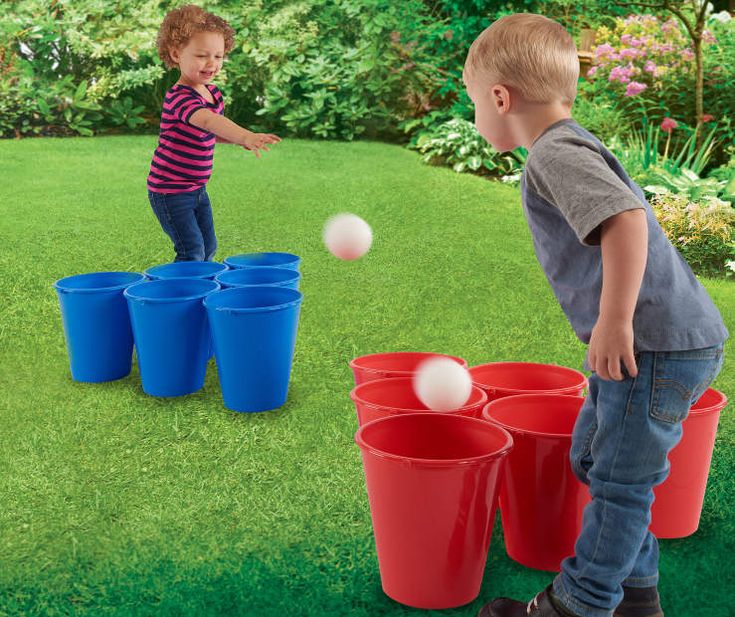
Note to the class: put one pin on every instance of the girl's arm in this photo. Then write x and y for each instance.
(231, 132)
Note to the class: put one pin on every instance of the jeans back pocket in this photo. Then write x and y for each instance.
(680, 378)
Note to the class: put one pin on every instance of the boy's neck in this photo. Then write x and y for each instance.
(537, 118)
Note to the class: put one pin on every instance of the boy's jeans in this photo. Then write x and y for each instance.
(620, 444)
(187, 219)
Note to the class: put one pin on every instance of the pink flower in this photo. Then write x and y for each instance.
(634, 88)
(708, 37)
(592, 71)
(668, 125)
(707, 118)
(650, 67)
(626, 38)
(621, 74)
(604, 49)
(670, 26)
(629, 52)
(687, 54)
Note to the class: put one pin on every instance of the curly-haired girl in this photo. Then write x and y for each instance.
(192, 121)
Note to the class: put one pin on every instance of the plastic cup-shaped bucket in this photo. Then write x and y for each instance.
(256, 260)
(432, 482)
(541, 500)
(171, 333)
(392, 364)
(259, 277)
(254, 331)
(678, 499)
(96, 324)
(395, 395)
(186, 269)
(501, 379)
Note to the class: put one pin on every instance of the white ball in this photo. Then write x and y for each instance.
(347, 236)
(442, 384)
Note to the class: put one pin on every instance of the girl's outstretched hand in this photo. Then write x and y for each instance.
(259, 141)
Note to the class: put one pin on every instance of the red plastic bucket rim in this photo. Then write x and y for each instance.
(509, 400)
(475, 460)
(716, 407)
(563, 390)
(354, 395)
(355, 363)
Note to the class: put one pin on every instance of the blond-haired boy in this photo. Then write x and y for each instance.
(655, 337)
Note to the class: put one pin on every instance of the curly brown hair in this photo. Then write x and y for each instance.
(181, 24)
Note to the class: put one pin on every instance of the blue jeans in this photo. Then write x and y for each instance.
(187, 220)
(620, 445)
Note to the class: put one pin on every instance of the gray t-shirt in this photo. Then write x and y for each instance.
(571, 184)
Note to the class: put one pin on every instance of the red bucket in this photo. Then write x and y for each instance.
(393, 364)
(500, 379)
(432, 481)
(386, 397)
(541, 500)
(678, 499)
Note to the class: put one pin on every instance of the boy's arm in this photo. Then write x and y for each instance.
(624, 244)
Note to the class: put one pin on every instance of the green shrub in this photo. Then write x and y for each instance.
(458, 144)
(702, 231)
(602, 118)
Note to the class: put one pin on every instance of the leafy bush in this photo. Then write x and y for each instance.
(337, 70)
(702, 231)
(602, 118)
(457, 143)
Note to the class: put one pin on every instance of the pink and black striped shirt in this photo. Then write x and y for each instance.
(183, 158)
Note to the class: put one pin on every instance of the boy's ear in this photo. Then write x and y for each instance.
(174, 53)
(500, 96)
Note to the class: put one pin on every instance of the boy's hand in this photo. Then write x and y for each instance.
(258, 141)
(612, 341)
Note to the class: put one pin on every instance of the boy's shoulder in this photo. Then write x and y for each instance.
(562, 138)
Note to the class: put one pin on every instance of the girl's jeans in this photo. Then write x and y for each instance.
(620, 444)
(187, 219)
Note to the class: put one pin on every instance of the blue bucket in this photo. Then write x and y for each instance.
(258, 260)
(97, 324)
(254, 332)
(259, 277)
(186, 269)
(171, 333)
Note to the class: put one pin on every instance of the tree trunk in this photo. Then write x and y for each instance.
(699, 87)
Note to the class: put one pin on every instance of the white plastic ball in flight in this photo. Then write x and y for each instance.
(442, 384)
(347, 236)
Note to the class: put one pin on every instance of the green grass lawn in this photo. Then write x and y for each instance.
(114, 502)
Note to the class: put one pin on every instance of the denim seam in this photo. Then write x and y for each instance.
(646, 581)
(578, 607)
(173, 227)
(612, 468)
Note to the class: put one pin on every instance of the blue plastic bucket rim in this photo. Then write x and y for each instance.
(233, 259)
(289, 276)
(136, 277)
(213, 286)
(152, 271)
(219, 295)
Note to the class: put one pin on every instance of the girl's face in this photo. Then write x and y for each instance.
(201, 58)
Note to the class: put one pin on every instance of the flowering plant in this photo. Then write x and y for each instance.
(643, 52)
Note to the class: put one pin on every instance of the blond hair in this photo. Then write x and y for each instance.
(532, 53)
(181, 24)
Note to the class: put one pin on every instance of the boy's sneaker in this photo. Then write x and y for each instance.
(639, 602)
